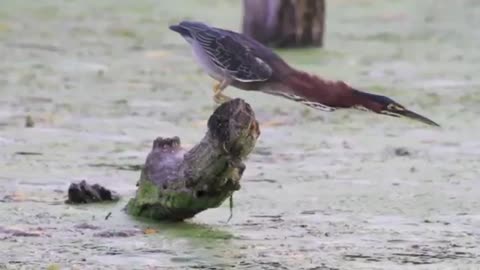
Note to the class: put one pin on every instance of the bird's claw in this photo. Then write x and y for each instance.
(220, 98)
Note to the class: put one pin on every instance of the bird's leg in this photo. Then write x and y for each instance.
(218, 97)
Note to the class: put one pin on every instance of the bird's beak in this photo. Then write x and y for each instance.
(418, 117)
(175, 28)
(398, 111)
(184, 32)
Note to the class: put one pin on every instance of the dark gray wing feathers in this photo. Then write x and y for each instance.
(231, 55)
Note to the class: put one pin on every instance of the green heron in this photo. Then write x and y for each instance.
(238, 60)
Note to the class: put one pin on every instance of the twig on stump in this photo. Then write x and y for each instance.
(176, 184)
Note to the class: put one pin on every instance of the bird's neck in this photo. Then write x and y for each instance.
(335, 94)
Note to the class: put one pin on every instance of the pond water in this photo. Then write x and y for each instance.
(343, 190)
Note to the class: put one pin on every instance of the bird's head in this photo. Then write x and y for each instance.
(387, 106)
(185, 29)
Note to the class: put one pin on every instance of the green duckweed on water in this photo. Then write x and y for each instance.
(101, 79)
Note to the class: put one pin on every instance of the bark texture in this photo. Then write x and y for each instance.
(285, 23)
(176, 184)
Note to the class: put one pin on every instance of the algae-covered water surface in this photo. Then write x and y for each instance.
(99, 80)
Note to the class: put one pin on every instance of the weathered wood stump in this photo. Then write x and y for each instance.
(285, 23)
(80, 193)
(176, 184)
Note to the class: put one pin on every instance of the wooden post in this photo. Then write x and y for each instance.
(176, 184)
(285, 23)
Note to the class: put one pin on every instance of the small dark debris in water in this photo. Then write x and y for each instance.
(422, 257)
(309, 212)
(360, 256)
(86, 226)
(263, 180)
(7, 198)
(22, 153)
(322, 267)
(270, 265)
(108, 215)
(346, 145)
(438, 221)
(251, 223)
(12, 198)
(413, 169)
(158, 250)
(113, 252)
(127, 167)
(219, 266)
(181, 259)
(402, 152)
(266, 216)
(22, 197)
(121, 102)
(262, 151)
(26, 234)
(274, 218)
(111, 234)
(396, 241)
(29, 123)
(431, 258)
(79, 193)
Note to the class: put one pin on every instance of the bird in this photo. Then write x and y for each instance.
(237, 60)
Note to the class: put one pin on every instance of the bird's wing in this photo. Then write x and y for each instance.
(233, 56)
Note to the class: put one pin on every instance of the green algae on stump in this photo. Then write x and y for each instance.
(176, 184)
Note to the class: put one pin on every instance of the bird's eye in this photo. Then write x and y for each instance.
(395, 107)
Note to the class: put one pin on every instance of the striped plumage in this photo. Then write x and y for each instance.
(228, 54)
(235, 59)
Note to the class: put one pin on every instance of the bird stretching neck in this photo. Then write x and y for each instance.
(330, 95)
(235, 59)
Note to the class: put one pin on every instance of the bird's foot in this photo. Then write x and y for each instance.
(220, 98)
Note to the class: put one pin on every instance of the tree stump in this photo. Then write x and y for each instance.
(176, 184)
(80, 193)
(285, 23)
